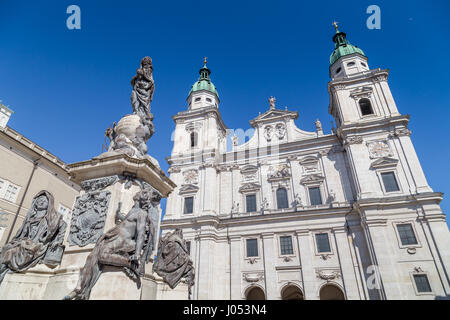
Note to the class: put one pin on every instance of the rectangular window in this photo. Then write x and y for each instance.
(286, 245)
(11, 193)
(323, 244)
(188, 205)
(188, 246)
(252, 247)
(250, 202)
(406, 233)
(65, 212)
(389, 181)
(315, 196)
(422, 283)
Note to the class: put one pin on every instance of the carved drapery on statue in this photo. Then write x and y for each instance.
(128, 245)
(39, 240)
(132, 132)
(173, 261)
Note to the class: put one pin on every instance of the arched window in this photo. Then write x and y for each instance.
(331, 292)
(291, 293)
(194, 139)
(282, 198)
(365, 106)
(256, 293)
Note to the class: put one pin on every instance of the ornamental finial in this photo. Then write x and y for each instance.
(335, 23)
(205, 60)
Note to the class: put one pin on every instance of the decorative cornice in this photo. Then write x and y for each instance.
(385, 162)
(174, 169)
(353, 140)
(251, 186)
(400, 133)
(328, 274)
(362, 92)
(188, 188)
(253, 276)
(312, 178)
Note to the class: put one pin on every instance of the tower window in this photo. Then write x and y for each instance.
(350, 64)
(315, 197)
(208, 99)
(252, 247)
(406, 233)
(363, 64)
(197, 99)
(338, 70)
(250, 201)
(366, 107)
(188, 205)
(422, 283)
(194, 139)
(323, 244)
(282, 198)
(286, 245)
(389, 181)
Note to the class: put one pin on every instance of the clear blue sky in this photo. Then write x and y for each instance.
(66, 87)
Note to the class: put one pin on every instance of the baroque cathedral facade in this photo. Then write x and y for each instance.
(292, 214)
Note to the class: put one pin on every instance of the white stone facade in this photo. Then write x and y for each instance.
(359, 211)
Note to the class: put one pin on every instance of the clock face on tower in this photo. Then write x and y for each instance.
(379, 149)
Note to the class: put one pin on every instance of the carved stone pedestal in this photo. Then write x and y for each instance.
(106, 182)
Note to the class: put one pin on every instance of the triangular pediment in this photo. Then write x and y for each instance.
(274, 114)
(188, 188)
(249, 169)
(384, 162)
(312, 178)
(249, 187)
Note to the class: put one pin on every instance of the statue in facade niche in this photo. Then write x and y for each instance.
(39, 240)
(173, 261)
(128, 245)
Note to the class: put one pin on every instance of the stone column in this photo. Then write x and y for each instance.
(270, 274)
(381, 247)
(209, 190)
(306, 255)
(346, 263)
(236, 261)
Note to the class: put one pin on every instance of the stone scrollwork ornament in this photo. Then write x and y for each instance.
(379, 149)
(190, 176)
(88, 220)
(268, 132)
(173, 261)
(127, 246)
(39, 240)
(280, 130)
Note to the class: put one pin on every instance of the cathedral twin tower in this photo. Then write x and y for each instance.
(292, 214)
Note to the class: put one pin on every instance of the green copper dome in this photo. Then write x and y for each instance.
(342, 47)
(204, 82)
